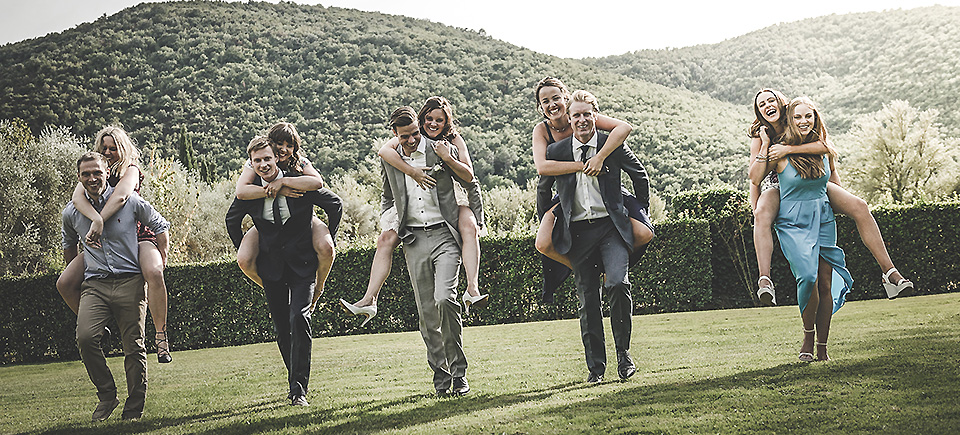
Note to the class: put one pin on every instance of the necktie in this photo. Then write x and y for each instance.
(276, 211)
(583, 153)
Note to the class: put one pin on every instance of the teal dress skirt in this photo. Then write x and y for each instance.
(807, 230)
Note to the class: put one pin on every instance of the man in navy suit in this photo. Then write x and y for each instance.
(593, 229)
(286, 262)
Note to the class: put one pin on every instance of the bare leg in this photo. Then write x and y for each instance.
(851, 205)
(641, 234)
(470, 233)
(151, 265)
(809, 318)
(69, 283)
(824, 308)
(544, 241)
(768, 205)
(326, 253)
(380, 269)
(247, 255)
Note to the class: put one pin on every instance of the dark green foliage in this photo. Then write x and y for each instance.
(186, 156)
(225, 71)
(730, 218)
(850, 64)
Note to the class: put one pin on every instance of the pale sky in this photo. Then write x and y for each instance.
(621, 25)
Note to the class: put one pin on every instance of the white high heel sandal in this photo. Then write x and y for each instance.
(480, 301)
(903, 287)
(368, 311)
(807, 356)
(766, 294)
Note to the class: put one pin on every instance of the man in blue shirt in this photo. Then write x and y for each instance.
(112, 286)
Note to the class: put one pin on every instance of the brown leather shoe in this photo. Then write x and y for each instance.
(104, 409)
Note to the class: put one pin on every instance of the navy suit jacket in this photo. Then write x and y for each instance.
(621, 160)
(289, 244)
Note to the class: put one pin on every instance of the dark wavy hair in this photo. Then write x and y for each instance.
(286, 132)
(449, 130)
(760, 121)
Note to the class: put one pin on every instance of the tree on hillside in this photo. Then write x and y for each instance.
(187, 157)
(898, 155)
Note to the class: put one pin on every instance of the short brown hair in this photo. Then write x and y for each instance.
(260, 142)
(402, 117)
(92, 156)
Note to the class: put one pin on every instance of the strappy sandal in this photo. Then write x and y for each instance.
(824, 350)
(807, 356)
(766, 293)
(903, 287)
(163, 352)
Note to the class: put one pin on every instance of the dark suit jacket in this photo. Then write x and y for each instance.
(290, 244)
(395, 193)
(622, 159)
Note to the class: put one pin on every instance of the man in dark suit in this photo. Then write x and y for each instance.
(593, 229)
(286, 262)
(428, 222)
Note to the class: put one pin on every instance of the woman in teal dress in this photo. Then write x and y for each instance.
(806, 226)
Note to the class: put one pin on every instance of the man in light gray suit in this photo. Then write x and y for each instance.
(427, 227)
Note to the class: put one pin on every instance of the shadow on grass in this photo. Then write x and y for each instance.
(893, 392)
(890, 392)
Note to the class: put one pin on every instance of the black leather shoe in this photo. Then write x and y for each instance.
(460, 387)
(443, 393)
(594, 378)
(625, 366)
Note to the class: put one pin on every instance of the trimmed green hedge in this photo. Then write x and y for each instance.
(692, 264)
(213, 304)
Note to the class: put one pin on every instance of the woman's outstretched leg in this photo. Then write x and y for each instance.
(851, 205)
(767, 207)
(641, 234)
(247, 255)
(544, 241)
(380, 269)
(151, 265)
(69, 283)
(326, 253)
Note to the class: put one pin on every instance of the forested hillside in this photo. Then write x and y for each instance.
(851, 64)
(226, 71)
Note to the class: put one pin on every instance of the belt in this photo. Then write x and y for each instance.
(123, 275)
(588, 221)
(435, 226)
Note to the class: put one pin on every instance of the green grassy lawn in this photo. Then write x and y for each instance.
(894, 370)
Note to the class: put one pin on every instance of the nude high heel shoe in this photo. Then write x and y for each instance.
(480, 301)
(368, 311)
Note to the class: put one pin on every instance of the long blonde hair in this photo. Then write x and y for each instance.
(129, 154)
(809, 166)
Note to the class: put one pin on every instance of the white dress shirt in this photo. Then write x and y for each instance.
(268, 203)
(587, 201)
(423, 210)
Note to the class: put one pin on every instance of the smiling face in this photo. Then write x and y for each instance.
(584, 120)
(553, 103)
(284, 151)
(804, 118)
(434, 123)
(93, 176)
(264, 162)
(768, 106)
(109, 149)
(409, 136)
